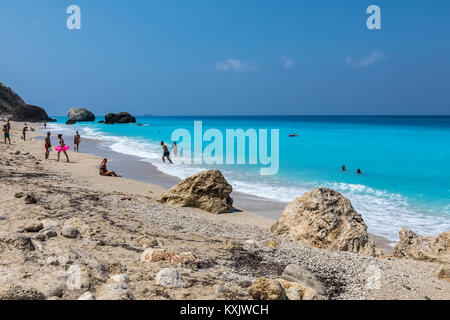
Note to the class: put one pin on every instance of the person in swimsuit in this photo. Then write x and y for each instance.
(24, 132)
(166, 153)
(76, 142)
(6, 133)
(48, 145)
(104, 171)
(175, 149)
(62, 145)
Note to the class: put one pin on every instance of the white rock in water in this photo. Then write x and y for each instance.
(120, 278)
(81, 114)
(170, 277)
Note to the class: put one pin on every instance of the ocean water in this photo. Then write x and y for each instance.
(405, 161)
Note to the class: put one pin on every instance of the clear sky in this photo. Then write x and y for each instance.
(206, 57)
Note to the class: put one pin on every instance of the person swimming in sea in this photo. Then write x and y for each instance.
(166, 153)
(358, 171)
(62, 145)
(343, 168)
(103, 171)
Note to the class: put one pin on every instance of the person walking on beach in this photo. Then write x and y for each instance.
(76, 142)
(6, 133)
(24, 132)
(175, 149)
(47, 145)
(62, 147)
(103, 171)
(166, 152)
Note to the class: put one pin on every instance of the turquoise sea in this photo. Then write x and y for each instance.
(405, 161)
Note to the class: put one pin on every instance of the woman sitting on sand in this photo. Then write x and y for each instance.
(104, 171)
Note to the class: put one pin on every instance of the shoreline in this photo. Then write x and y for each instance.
(118, 219)
(133, 168)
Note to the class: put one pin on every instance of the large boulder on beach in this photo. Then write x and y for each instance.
(29, 113)
(416, 247)
(324, 218)
(207, 190)
(121, 117)
(80, 115)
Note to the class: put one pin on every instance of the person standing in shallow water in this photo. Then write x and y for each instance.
(76, 142)
(47, 145)
(166, 153)
(175, 149)
(62, 145)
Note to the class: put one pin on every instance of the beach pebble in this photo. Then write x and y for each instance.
(245, 283)
(86, 296)
(116, 291)
(271, 244)
(50, 224)
(70, 232)
(120, 278)
(34, 226)
(56, 290)
(219, 289)
(49, 234)
(298, 274)
(53, 261)
(267, 289)
(170, 277)
(30, 199)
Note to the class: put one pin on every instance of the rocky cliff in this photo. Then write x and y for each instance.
(8, 100)
(14, 107)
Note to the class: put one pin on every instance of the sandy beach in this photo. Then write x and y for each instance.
(119, 219)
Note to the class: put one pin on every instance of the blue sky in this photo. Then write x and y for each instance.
(206, 57)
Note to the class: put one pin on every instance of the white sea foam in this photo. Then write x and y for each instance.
(384, 213)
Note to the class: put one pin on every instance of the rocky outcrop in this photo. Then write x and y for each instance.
(8, 100)
(81, 115)
(324, 218)
(416, 247)
(14, 107)
(29, 113)
(121, 117)
(207, 190)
